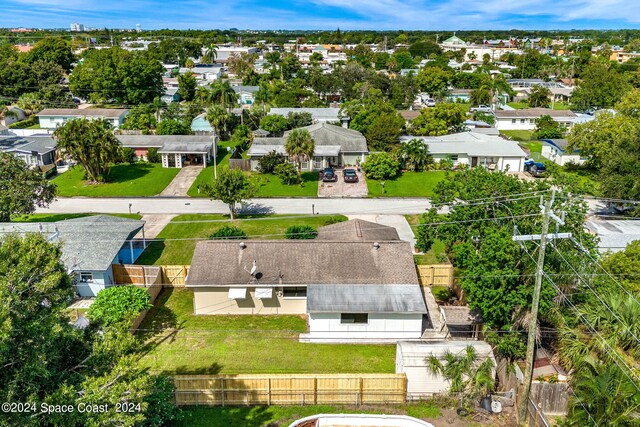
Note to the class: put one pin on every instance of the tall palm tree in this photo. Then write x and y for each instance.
(300, 147)
(223, 94)
(218, 117)
(263, 95)
(210, 54)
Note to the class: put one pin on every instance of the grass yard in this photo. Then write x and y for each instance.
(139, 179)
(207, 173)
(272, 416)
(519, 135)
(45, 217)
(179, 252)
(522, 105)
(409, 184)
(270, 186)
(436, 254)
(245, 344)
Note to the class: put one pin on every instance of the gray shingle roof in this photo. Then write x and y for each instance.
(460, 315)
(614, 235)
(41, 144)
(85, 112)
(291, 262)
(358, 230)
(88, 243)
(186, 147)
(365, 299)
(158, 141)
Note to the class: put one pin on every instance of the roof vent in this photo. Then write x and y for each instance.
(376, 245)
(243, 245)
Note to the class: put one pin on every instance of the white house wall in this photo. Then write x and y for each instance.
(557, 156)
(326, 327)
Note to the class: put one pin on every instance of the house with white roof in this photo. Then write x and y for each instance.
(51, 118)
(475, 149)
(614, 235)
(318, 115)
(526, 119)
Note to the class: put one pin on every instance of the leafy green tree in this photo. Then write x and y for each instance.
(269, 162)
(629, 105)
(464, 371)
(114, 74)
(173, 127)
(301, 232)
(228, 232)
(274, 124)
(52, 49)
(442, 119)
(153, 156)
(425, 49)
(434, 81)
(625, 265)
(231, 187)
(540, 96)
(415, 155)
(287, 173)
(90, 143)
(381, 166)
(620, 170)
(242, 137)
(22, 189)
(140, 117)
(547, 128)
(403, 59)
(384, 131)
(187, 84)
(176, 50)
(481, 95)
(299, 146)
(115, 304)
(298, 120)
(600, 86)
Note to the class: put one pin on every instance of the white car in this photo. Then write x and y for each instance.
(430, 102)
(481, 109)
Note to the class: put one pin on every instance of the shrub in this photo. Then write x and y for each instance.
(268, 163)
(381, 166)
(228, 232)
(128, 155)
(153, 156)
(118, 303)
(287, 173)
(440, 293)
(302, 232)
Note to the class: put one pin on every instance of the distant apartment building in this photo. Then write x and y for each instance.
(76, 27)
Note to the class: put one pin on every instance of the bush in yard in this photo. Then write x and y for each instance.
(268, 163)
(128, 155)
(440, 293)
(228, 232)
(287, 173)
(118, 303)
(381, 166)
(153, 156)
(301, 232)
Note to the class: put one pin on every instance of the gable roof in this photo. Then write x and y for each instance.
(459, 315)
(358, 230)
(534, 113)
(42, 144)
(220, 263)
(365, 299)
(88, 243)
(85, 112)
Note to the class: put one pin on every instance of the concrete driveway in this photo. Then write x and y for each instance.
(343, 189)
(179, 186)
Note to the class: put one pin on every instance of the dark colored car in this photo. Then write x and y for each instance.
(535, 169)
(350, 175)
(329, 175)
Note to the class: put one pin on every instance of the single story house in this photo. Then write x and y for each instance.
(334, 146)
(39, 150)
(207, 73)
(358, 230)
(245, 94)
(319, 115)
(90, 246)
(201, 126)
(475, 149)
(13, 115)
(526, 119)
(412, 356)
(352, 291)
(409, 115)
(458, 95)
(170, 95)
(614, 235)
(51, 118)
(556, 151)
(176, 150)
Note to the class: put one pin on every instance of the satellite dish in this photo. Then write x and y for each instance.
(496, 407)
(254, 268)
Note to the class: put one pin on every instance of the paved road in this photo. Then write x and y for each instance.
(185, 205)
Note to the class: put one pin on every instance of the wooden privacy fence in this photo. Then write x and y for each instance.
(294, 389)
(435, 274)
(535, 416)
(242, 164)
(551, 398)
(136, 274)
(174, 275)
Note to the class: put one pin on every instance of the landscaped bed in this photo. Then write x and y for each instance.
(138, 179)
(180, 342)
(409, 184)
(191, 228)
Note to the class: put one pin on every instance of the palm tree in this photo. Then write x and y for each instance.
(415, 154)
(263, 95)
(481, 95)
(300, 147)
(464, 371)
(210, 54)
(218, 117)
(223, 94)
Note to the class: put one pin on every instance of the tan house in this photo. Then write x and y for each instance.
(350, 290)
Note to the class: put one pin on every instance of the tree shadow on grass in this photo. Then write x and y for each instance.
(152, 253)
(212, 369)
(160, 324)
(127, 172)
(230, 416)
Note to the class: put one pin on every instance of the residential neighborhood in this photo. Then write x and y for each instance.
(318, 227)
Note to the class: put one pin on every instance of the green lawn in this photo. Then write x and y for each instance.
(518, 135)
(45, 217)
(207, 173)
(245, 344)
(271, 186)
(435, 255)
(522, 105)
(276, 416)
(409, 184)
(139, 179)
(179, 252)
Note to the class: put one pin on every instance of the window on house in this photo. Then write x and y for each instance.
(513, 121)
(454, 157)
(295, 292)
(522, 121)
(356, 318)
(86, 276)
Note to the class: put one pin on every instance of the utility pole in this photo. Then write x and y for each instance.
(543, 237)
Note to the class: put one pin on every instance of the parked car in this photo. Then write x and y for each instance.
(329, 175)
(350, 175)
(430, 102)
(481, 109)
(535, 169)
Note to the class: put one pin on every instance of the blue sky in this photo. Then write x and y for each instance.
(324, 14)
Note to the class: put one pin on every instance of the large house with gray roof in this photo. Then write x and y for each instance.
(51, 118)
(334, 146)
(90, 246)
(175, 151)
(351, 290)
(37, 150)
